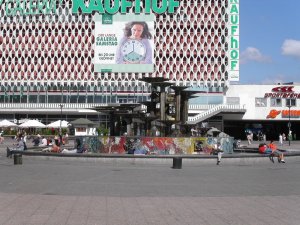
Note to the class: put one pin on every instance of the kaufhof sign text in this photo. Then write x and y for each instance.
(234, 44)
(35, 7)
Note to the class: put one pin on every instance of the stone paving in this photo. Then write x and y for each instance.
(110, 192)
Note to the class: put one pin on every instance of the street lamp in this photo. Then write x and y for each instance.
(60, 133)
(289, 124)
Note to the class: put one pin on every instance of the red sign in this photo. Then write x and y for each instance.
(273, 114)
(284, 114)
(283, 89)
(282, 92)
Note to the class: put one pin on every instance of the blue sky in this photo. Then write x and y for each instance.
(269, 41)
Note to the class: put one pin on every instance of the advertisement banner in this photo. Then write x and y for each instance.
(124, 43)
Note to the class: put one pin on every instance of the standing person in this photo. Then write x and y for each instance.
(280, 139)
(134, 47)
(283, 137)
(25, 137)
(220, 153)
(265, 137)
(249, 139)
(290, 136)
(1, 137)
(217, 150)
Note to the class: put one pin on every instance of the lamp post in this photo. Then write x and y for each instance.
(289, 124)
(60, 133)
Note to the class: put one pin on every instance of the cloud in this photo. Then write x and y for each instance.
(253, 54)
(291, 48)
(275, 79)
(280, 78)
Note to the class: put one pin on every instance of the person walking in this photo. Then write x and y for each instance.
(217, 150)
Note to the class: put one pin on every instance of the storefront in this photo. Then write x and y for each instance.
(270, 109)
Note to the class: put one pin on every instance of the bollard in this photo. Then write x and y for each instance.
(177, 163)
(18, 159)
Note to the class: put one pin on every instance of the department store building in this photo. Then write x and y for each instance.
(51, 63)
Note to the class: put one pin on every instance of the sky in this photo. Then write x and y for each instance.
(269, 41)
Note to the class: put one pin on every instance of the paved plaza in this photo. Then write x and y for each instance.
(68, 191)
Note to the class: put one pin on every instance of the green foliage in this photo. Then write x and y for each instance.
(9, 132)
(102, 131)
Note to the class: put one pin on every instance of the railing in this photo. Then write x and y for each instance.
(79, 106)
(48, 105)
(213, 111)
(209, 110)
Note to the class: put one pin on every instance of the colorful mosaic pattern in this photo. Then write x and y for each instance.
(163, 145)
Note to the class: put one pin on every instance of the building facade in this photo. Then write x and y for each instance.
(268, 109)
(47, 56)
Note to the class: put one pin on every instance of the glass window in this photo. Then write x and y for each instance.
(290, 102)
(65, 98)
(260, 102)
(54, 99)
(73, 99)
(276, 102)
(81, 99)
(32, 98)
(233, 100)
(2, 97)
(90, 99)
(23, 98)
(42, 99)
(15, 98)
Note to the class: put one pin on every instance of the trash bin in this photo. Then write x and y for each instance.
(17, 159)
(177, 163)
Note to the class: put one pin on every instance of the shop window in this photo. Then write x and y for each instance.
(276, 102)
(260, 102)
(290, 102)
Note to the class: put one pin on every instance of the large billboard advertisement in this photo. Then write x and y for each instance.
(124, 43)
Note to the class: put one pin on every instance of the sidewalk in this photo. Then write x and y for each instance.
(72, 192)
(111, 192)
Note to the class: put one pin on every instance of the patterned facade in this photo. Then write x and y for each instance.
(49, 58)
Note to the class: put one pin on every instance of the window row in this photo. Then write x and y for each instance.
(275, 102)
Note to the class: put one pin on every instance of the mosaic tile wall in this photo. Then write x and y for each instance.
(191, 48)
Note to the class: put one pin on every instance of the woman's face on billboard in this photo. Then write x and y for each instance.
(136, 31)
